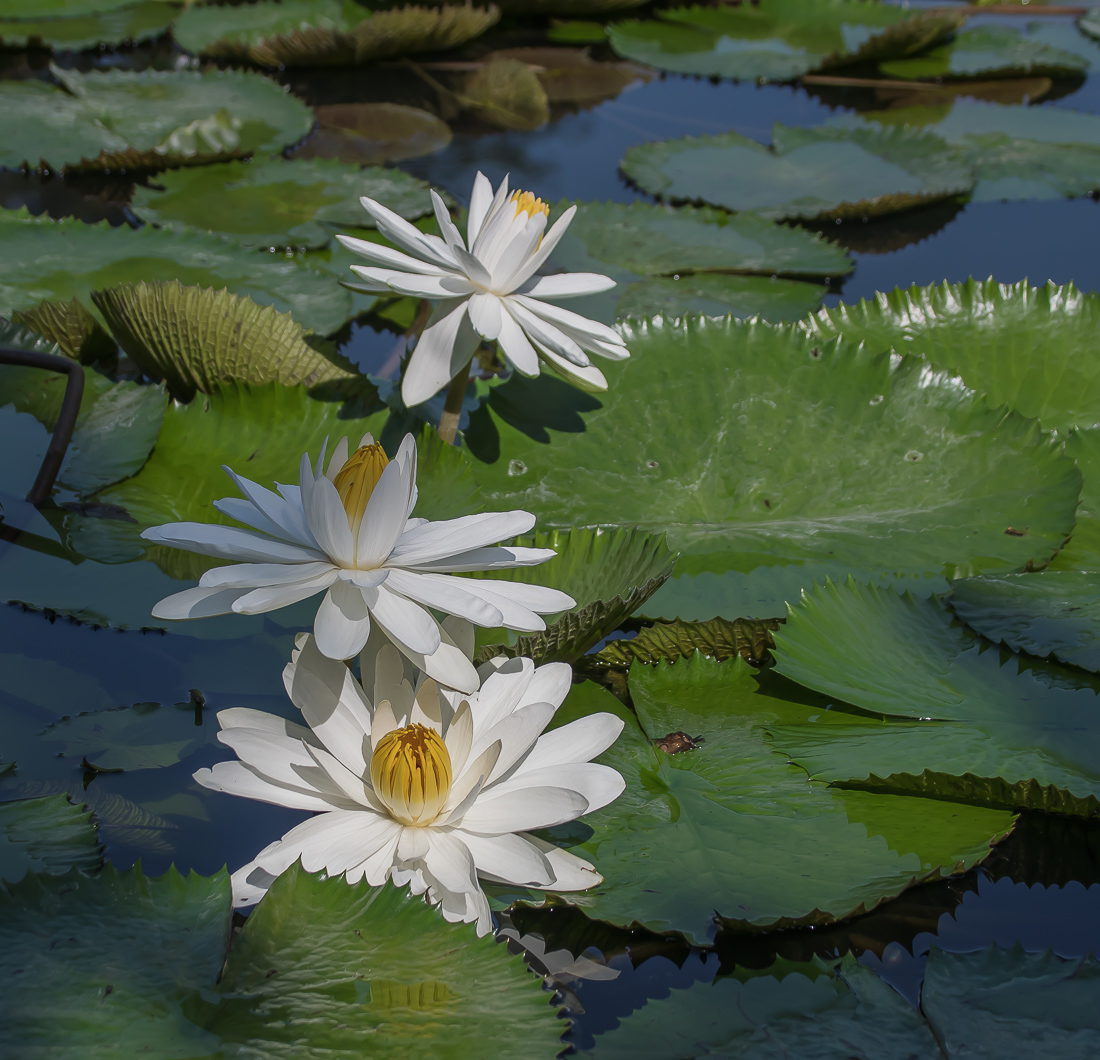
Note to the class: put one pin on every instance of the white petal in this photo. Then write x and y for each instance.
(445, 594)
(567, 285)
(461, 632)
(516, 346)
(543, 333)
(389, 258)
(229, 542)
(538, 598)
(343, 621)
(377, 866)
(571, 873)
(433, 541)
(523, 810)
(459, 738)
(235, 778)
(449, 860)
(441, 352)
(571, 323)
(485, 559)
(550, 683)
(517, 734)
(250, 575)
(397, 230)
(448, 664)
(385, 515)
(510, 858)
(384, 722)
(287, 516)
(364, 835)
(270, 597)
(599, 785)
(409, 626)
(546, 248)
(503, 690)
(481, 198)
(590, 378)
(329, 522)
(196, 603)
(485, 314)
(467, 785)
(499, 214)
(451, 236)
(518, 249)
(250, 718)
(579, 741)
(364, 579)
(338, 459)
(415, 285)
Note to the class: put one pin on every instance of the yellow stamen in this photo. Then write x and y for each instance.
(411, 773)
(356, 480)
(527, 203)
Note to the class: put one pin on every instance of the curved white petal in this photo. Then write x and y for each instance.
(579, 741)
(343, 621)
(516, 346)
(269, 597)
(397, 230)
(250, 575)
(416, 285)
(517, 734)
(481, 198)
(229, 542)
(449, 860)
(485, 314)
(451, 235)
(543, 333)
(523, 810)
(546, 248)
(500, 557)
(523, 238)
(571, 873)
(385, 515)
(433, 541)
(329, 522)
(598, 784)
(448, 664)
(409, 626)
(567, 285)
(197, 603)
(443, 350)
(445, 594)
(235, 778)
(388, 258)
(285, 515)
(511, 858)
(590, 378)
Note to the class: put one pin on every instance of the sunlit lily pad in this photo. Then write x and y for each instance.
(1001, 51)
(369, 133)
(799, 458)
(133, 21)
(46, 835)
(609, 572)
(815, 173)
(729, 829)
(150, 119)
(278, 203)
(778, 40)
(1083, 550)
(949, 715)
(44, 259)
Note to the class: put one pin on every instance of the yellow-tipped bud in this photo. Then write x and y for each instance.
(356, 480)
(411, 773)
(528, 204)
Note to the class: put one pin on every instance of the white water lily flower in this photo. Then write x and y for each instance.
(346, 532)
(486, 287)
(418, 784)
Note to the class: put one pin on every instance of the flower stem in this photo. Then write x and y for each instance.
(452, 407)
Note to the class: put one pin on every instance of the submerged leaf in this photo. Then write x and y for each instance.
(570, 75)
(507, 93)
(46, 835)
(369, 133)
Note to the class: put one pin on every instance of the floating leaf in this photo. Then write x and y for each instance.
(730, 828)
(114, 24)
(369, 133)
(507, 93)
(151, 119)
(1083, 549)
(571, 75)
(77, 333)
(770, 298)
(951, 717)
(196, 338)
(820, 173)
(797, 459)
(46, 835)
(1001, 51)
(778, 40)
(1050, 613)
(609, 572)
(590, 8)
(721, 639)
(60, 260)
(278, 203)
(412, 29)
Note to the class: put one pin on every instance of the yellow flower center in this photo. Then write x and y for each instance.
(356, 480)
(528, 204)
(411, 773)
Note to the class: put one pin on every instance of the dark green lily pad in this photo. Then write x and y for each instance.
(46, 835)
(947, 714)
(799, 458)
(720, 639)
(132, 22)
(370, 133)
(1048, 613)
(819, 173)
(984, 51)
(609, 572)
(278, 203)
(59, 260)
(778, 40)
(1083, 550)
(730, 831)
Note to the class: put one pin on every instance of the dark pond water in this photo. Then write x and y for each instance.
(1041, 888)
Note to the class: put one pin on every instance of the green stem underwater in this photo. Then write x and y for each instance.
(452, 407)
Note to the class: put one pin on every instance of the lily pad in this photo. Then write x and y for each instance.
(1049, 613)
(1030, 348)
(798, 458)
(369, 133)
(1083, 550)
(730, 831)
(506, 93)
(820, 173)
(278, 203)
(721, 639)
(1000, 51)
(571, 75)
(609, 572)
(779, 40)
(47, 835)
(132, 22)
(151, 119)
(77, 333)
(947, 715)
(196, 338)
(59, 260)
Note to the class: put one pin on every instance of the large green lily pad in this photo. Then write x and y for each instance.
(145, 120)
(46, 835)
(730, 830)
(798, 458)
(278, 203)
(778, 40)
(59, 260)
(129, 22)
(610, 572)
(950, 715)
(1048, 613)
(1083, 550)
(819, 173)
(1030, 348)
(988, 51)
(678, 260)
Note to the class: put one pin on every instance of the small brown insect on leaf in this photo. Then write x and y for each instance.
(676, 742)
(1013, 532)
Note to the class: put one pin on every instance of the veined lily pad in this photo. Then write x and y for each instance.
(1000, 51)
(278, 203)
(720, 639)
(778, 40)
(196, 338)
(46, 835)
(729, 828)
(947, 715)
(799, 458)
(1048, 613)
(58, 260)
(1083, 550)
(369, 133)
(77, 333)
(609, 572)
(817, 173)
(145, 120)
(133, 22)
(326, 32)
